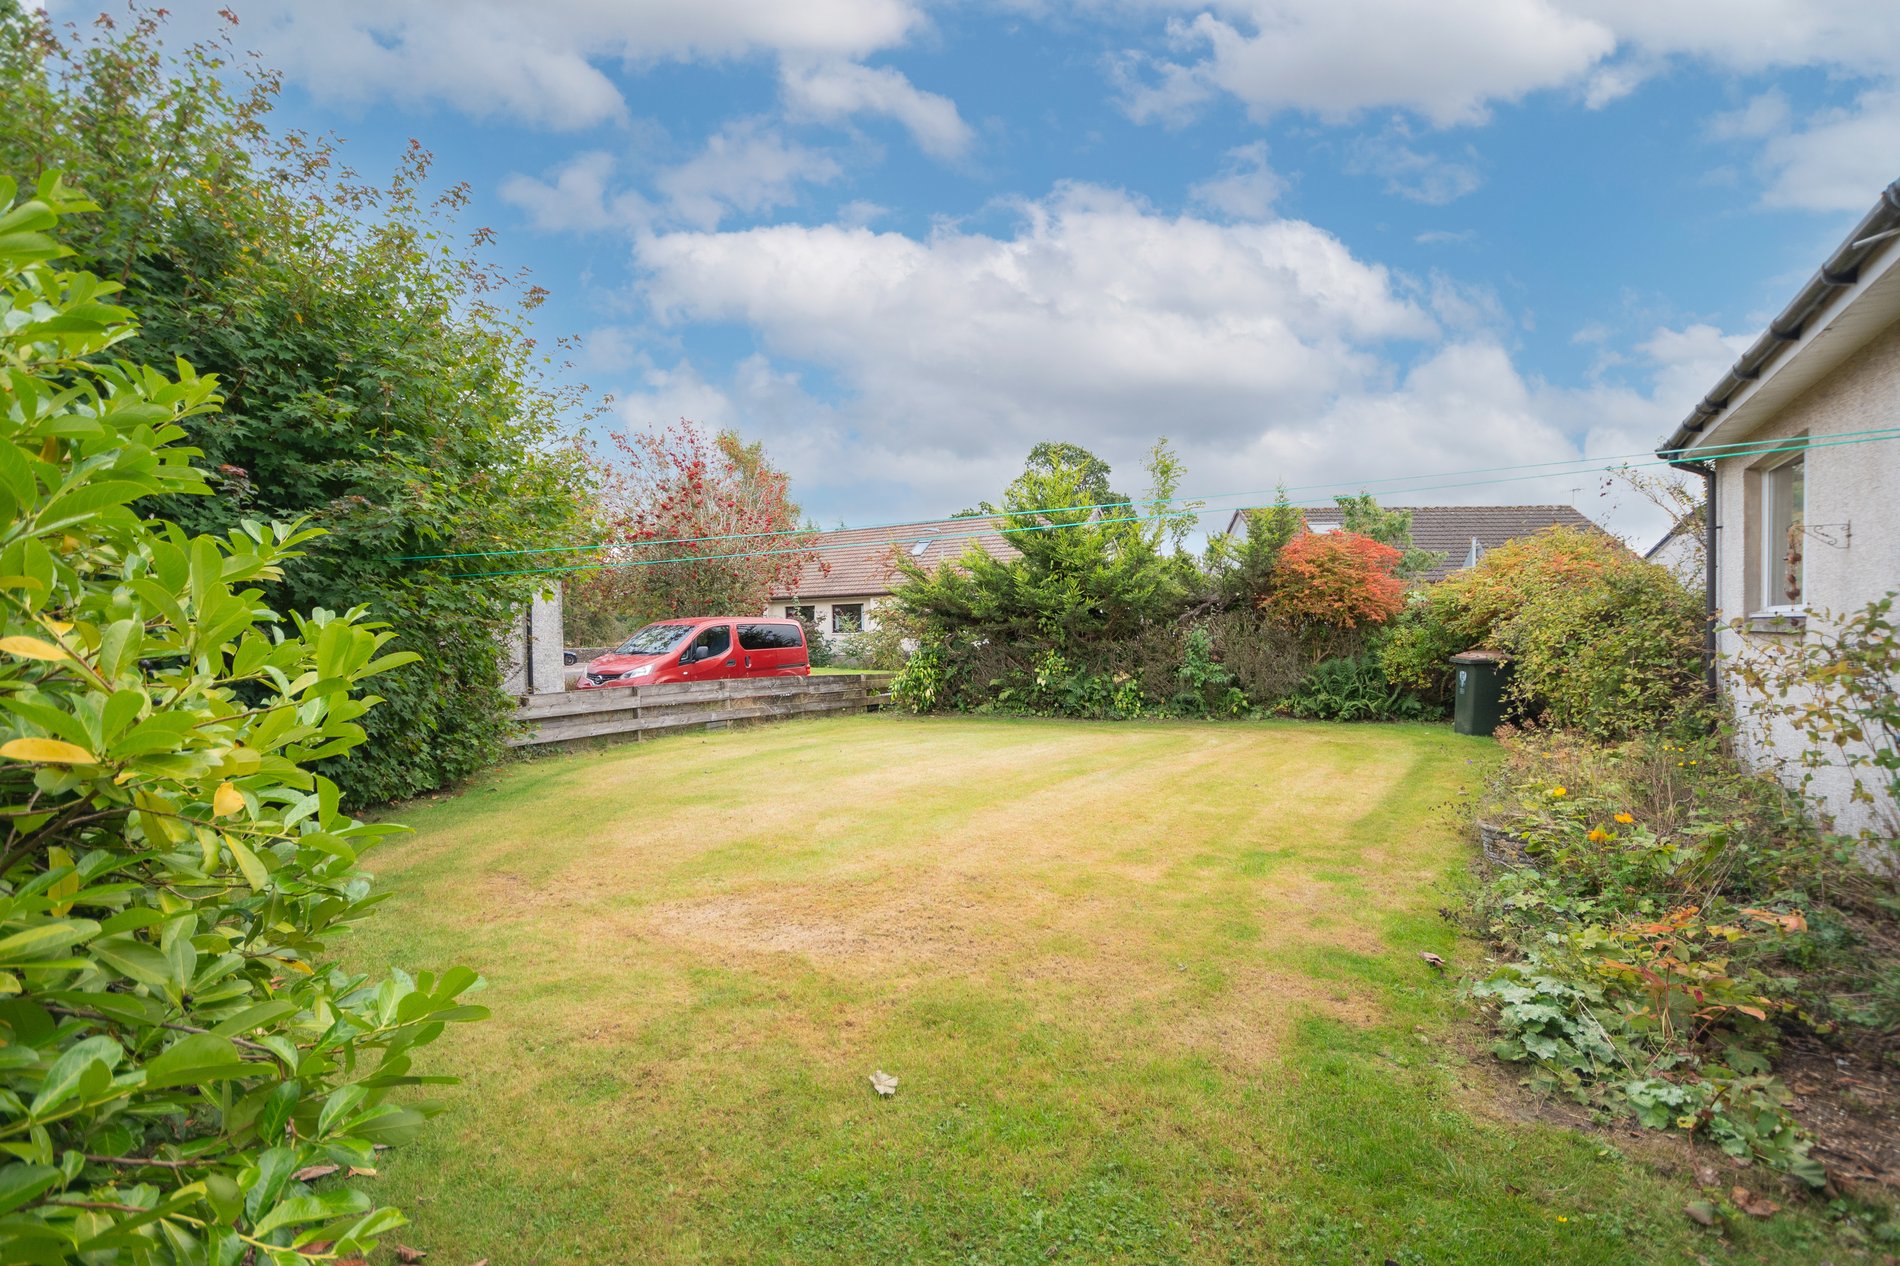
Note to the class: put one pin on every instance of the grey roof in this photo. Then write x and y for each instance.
(1822, 303)
(1450, 530)
(863, 561)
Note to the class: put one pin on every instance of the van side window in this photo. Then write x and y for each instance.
(768, 637)
(717, 641)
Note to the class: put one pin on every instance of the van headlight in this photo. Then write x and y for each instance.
(644, 670)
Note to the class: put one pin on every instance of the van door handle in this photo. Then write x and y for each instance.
(732, 663)
(748, 661)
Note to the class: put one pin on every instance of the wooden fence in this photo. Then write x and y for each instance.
(646, 710)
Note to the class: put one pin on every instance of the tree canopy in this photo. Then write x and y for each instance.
(188, 1075)
(381, 378)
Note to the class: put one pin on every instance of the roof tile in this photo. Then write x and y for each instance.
(853, 561)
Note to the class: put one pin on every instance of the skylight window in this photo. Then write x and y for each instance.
(921, 546)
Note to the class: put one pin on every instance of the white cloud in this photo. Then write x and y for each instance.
(539, 64)
(831, 91)
(577, 199)
(1858, 36)
(1447, 62)
(1838, 160)
(1450, 63)
(1430, 178)
(1246, 187)
(1764, 115)
(1098, 318)
(1266, 349)
(746, 168)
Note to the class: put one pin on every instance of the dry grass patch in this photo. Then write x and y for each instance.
(1152, 993)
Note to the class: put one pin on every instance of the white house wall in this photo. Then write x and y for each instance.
(1852, 515)
(821, 611)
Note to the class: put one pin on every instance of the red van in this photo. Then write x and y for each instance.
(702, 648)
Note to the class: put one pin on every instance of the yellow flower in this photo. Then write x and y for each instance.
(1560, 791)
(1562, 1218)
(1625, 818)
(1687, 1123)
(1600, 836)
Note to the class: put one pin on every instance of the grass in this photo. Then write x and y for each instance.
(1152, 993)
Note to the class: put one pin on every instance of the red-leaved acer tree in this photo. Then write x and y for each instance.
(1338, 580)
(697, 523)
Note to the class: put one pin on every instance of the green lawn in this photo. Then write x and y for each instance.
(1152, 993)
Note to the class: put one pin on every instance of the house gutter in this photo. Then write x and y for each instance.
(1841, 270)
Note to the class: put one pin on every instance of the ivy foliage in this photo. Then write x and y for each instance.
(380, 379)
(187, 1075)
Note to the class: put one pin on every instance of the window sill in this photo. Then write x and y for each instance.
(1777, 622)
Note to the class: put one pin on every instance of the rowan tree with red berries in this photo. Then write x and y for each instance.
(694, 522)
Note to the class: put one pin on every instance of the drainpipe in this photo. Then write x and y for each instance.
(1710, 681)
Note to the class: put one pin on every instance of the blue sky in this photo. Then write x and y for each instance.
(1312, 241)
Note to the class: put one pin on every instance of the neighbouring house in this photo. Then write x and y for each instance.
(1799, 447)
(1681, 550)
(856, 567)
(1463, 534)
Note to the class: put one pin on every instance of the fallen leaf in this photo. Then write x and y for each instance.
(884, 1083)
(1793, 921)
(1705, 1176)
(360, 1172)
(1753, 1205)
(1432, 960)
(1700, 1212)
(409, 1256)
(310, 1173)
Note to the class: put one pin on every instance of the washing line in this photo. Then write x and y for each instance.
(1167, 516)
(1577, 465)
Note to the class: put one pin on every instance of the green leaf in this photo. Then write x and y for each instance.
(197, 1059)
(321, 1206)
(87, 500)
(45, 940)
(254, 872)
(135, 960)
(67, 1072)
(21, 1183)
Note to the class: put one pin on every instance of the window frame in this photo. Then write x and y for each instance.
(1778, 533)
(704, 633)
(838, 607)
(778, 630)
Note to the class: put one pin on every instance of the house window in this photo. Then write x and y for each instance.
(847, 617)
(805, 614)
(1783, 503)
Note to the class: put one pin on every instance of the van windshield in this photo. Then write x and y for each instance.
(654, 639)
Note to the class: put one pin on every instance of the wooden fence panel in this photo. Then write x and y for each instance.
(644, 710)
